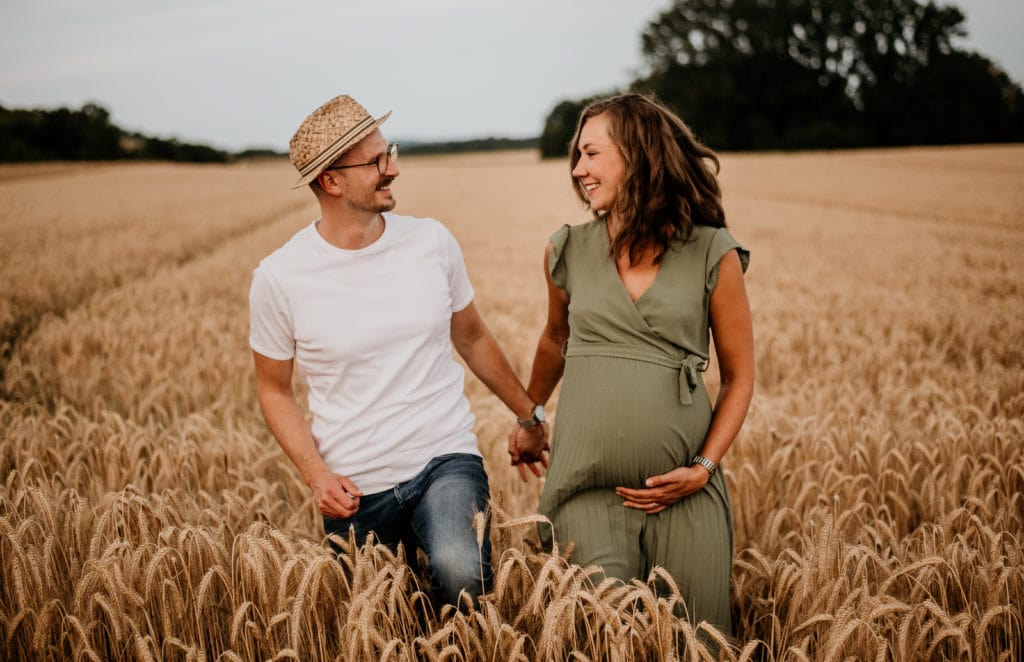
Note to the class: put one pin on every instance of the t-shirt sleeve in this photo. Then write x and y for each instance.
(459, 287)
(721, 243)
(270, 324)
(556, 260)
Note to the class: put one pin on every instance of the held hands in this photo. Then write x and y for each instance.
(526, 447)
(335, 495)
(664, 490)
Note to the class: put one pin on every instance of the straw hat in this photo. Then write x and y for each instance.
(328, 132)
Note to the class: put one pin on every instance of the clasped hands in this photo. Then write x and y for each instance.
(527, 448)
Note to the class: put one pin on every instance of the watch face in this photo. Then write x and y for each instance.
(538, 413)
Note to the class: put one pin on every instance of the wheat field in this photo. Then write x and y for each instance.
(878, 484)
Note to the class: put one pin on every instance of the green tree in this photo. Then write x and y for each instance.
(560, 126)
(33, 135)
(99, 139)
(771, 74)
(753, 74)
(85, 134)
(915, 87)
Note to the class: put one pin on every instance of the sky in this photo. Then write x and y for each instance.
(240, 74)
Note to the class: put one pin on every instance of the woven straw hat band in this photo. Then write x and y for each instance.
(328, 132)
(325, 157)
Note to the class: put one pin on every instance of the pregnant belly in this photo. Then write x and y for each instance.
(619, 421)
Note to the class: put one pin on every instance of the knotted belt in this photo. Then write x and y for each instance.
(686, 363)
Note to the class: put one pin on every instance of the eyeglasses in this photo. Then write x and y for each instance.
(381, 161)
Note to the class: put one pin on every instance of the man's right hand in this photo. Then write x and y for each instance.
(527, 449)
(335, 495)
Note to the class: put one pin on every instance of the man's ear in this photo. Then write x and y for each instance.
(330, 182)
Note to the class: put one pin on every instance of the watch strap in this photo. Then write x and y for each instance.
(533, 419)
(706, 463)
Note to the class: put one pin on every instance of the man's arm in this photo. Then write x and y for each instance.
(476, 345)
(335, 495)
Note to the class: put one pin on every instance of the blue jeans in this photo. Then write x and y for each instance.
(434, 510)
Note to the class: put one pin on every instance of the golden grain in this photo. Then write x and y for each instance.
(878, 485)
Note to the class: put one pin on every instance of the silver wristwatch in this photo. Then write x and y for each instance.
(536, 418)
(706, 463)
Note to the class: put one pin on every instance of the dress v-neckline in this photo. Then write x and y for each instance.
(618, 276)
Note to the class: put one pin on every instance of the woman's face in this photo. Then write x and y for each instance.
(601, 168)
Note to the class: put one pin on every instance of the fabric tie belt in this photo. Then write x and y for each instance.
(686, 363)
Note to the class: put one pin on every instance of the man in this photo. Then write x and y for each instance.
(368, 305)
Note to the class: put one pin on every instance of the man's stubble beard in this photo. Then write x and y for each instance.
(378, 208)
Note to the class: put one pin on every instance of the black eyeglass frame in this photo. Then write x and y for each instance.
(382, 161)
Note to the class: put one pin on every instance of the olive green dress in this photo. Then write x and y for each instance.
(633, 405)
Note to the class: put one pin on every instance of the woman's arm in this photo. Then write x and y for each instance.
(734, 346)
(548, 363)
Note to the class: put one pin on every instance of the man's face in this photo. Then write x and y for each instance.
(366, 189)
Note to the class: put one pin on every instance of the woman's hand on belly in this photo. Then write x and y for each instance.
(664, 490)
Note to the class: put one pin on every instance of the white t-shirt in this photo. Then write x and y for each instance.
(370, 333)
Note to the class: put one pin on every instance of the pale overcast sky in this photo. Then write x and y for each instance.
(244, 73)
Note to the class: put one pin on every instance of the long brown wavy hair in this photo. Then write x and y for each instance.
(671, 178)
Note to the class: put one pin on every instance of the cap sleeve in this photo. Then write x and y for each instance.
(721, 243)
(556, 263)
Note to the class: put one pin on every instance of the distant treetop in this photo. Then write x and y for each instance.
(798, 74)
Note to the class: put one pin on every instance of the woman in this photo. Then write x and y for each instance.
(633, 478)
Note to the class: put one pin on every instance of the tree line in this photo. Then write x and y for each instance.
(801, 74)
(66, 134)
(489, 144)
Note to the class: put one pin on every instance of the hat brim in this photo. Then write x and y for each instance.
(330, 156)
